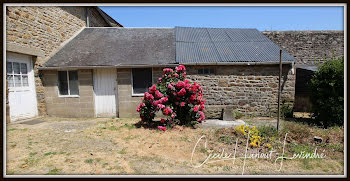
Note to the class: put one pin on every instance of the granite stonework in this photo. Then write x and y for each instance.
(252, 90)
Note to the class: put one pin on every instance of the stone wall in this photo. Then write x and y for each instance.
(82, 106)
(252, 90)
(45, 28)
(306, 46)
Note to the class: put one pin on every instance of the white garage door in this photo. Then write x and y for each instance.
(105, 92)
(22, 95)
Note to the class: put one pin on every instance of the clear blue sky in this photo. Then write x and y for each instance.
(262, 18)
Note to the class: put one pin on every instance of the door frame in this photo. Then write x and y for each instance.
(31, 82)
(115, 91)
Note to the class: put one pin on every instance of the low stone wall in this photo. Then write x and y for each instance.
(82, 106)
(252, 90)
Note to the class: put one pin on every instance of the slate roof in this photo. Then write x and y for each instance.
(117, 46)
(205, 45)
(164, 46)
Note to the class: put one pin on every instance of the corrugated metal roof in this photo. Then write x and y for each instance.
(117, 46)
(205, 45)
(307, 67)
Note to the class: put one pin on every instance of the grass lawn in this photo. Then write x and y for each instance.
(116, 146)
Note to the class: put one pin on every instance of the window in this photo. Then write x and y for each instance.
(204, 71)
(141, 80)
(68, 82)
(17, 74)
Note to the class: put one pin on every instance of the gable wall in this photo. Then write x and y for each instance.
(45, 29)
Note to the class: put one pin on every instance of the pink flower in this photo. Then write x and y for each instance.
(160, 80)
(180, 84)
(176, 75)
(140, 106)
(193, 97)
(170, 86)
(158, 94)
(161, 106)
(194, 87)
(184, 74)
(202, 116)
(162, 128)
(169, 76)
(166, 70)
(187, 81)
(152, 89)
(162, 120)
(182, 104)
(173, 115)
(155, 103)
(148, 96)
(163, 100)
(196, 108)
(181, 92)
(167, 111)
(180, 68)
(187, 86)
(202, 107)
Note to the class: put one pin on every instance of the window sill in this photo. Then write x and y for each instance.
(137, 95)
(69, 96)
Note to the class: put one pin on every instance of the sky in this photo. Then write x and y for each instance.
(261, 18)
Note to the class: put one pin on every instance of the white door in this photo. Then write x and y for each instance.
(105, 92)
(21, 84)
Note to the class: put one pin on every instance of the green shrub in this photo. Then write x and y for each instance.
(287, 110)
(327, 87)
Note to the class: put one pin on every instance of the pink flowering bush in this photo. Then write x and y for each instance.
(180, 100)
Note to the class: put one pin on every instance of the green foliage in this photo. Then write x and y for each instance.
(287, 110)
(237, 114)
(267, 131)
(327, 86)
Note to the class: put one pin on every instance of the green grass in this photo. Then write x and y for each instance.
(54, 171)
(104, 165)
(203, 150)
(226, 139)
(32, 153)
(227, 168)
(306, 164)
(123, 151)
(50, 153)
(131, 137)
(337, 147)
(112, 128)
(298, 148)
(267, 131)
(88, 160)
(129, 126)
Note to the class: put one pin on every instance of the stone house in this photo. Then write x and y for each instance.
(103, 72)
(33, 35)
